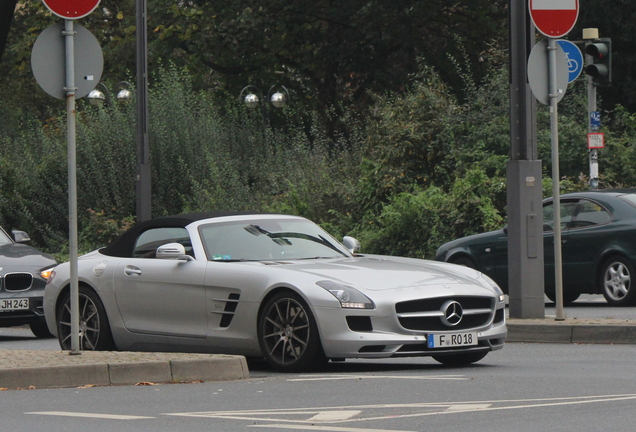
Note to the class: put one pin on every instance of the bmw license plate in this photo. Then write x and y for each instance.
(14, 304)
(447, 340)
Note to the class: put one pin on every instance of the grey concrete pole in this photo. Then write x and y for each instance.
(525, 215)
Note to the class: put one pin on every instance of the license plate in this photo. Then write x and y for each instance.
(447, 340)
(14, 304)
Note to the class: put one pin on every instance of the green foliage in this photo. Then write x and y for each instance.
(425, 168)
(416, 224)
(409, 141)
(207, 154)
(101, 229)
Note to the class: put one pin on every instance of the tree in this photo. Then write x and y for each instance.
(327, 52)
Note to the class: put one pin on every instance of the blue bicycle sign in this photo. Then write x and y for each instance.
(575, 59)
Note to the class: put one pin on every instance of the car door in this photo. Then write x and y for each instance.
(161, 296)
(567, 209)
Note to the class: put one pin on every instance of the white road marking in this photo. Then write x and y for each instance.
(329, 416)
(325, 428)
(467, 407)
(301, 416)
(90, 415)
(391, 377)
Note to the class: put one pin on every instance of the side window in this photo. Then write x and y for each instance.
(566, 214)
(148, 242)
(590, 213)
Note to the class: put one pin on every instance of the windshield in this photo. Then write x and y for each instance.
(4, 238)
(266, 240)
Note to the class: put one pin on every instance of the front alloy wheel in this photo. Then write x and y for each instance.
(616, 282)
(94, 330)
(288, 334)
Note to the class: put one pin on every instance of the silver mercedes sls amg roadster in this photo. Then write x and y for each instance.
(272, 286)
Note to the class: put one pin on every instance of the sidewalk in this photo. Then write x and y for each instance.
(588, 320)
(572, 330)
(26, 369)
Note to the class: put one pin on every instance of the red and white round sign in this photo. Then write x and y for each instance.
(71, 9)
(554, 18)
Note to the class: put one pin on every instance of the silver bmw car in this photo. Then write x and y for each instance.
(272, 286)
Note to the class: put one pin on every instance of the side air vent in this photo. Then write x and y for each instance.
(230, 307)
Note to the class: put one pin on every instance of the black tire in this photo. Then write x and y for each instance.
(464, 261)
(288, 334)
(460, 359)
(94, 329)
(568, 297)
(40, 329)
(615, 281)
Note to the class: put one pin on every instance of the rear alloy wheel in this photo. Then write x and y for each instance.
(460, 359)
(288, 334)
(94, 329)
(616, 282)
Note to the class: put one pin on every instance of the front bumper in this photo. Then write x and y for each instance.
(386, 338)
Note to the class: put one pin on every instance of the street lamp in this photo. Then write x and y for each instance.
(277, 96)
(98, 97)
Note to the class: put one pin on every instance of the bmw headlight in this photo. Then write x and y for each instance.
(491, 283)
(349, 297)
(47, 274)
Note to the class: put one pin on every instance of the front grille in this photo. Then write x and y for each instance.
(428, 314)
(18, 281)
(435, 304)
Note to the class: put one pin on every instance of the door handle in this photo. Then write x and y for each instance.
(132, 271)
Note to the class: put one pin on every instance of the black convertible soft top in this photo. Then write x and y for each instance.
(123, 246)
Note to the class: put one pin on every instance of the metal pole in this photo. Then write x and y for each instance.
(143, 181)
(554, 135)
(591, 108)
(69, 35)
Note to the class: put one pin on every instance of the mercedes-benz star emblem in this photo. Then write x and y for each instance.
(453, 313)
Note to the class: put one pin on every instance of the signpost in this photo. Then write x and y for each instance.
(69, 10)
(574, 57)
(555, 18)
(537, 72)
(595, 140)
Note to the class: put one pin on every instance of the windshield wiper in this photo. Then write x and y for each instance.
(282, 238)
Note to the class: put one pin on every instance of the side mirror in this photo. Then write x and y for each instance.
(20, 236)
(352, 244)
(174, 251)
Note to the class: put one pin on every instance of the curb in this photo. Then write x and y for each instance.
(120, 369)
(571, 331)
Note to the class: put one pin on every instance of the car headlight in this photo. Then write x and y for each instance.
(349, 297)
(491, 283)
(47, 274)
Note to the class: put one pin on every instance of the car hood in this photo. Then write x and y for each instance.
(20, 256)
(378, 273)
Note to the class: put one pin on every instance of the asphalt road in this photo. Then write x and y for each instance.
(522, 388)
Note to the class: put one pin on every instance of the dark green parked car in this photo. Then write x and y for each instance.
(598, 247)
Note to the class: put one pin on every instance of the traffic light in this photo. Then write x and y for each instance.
(600, 68)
